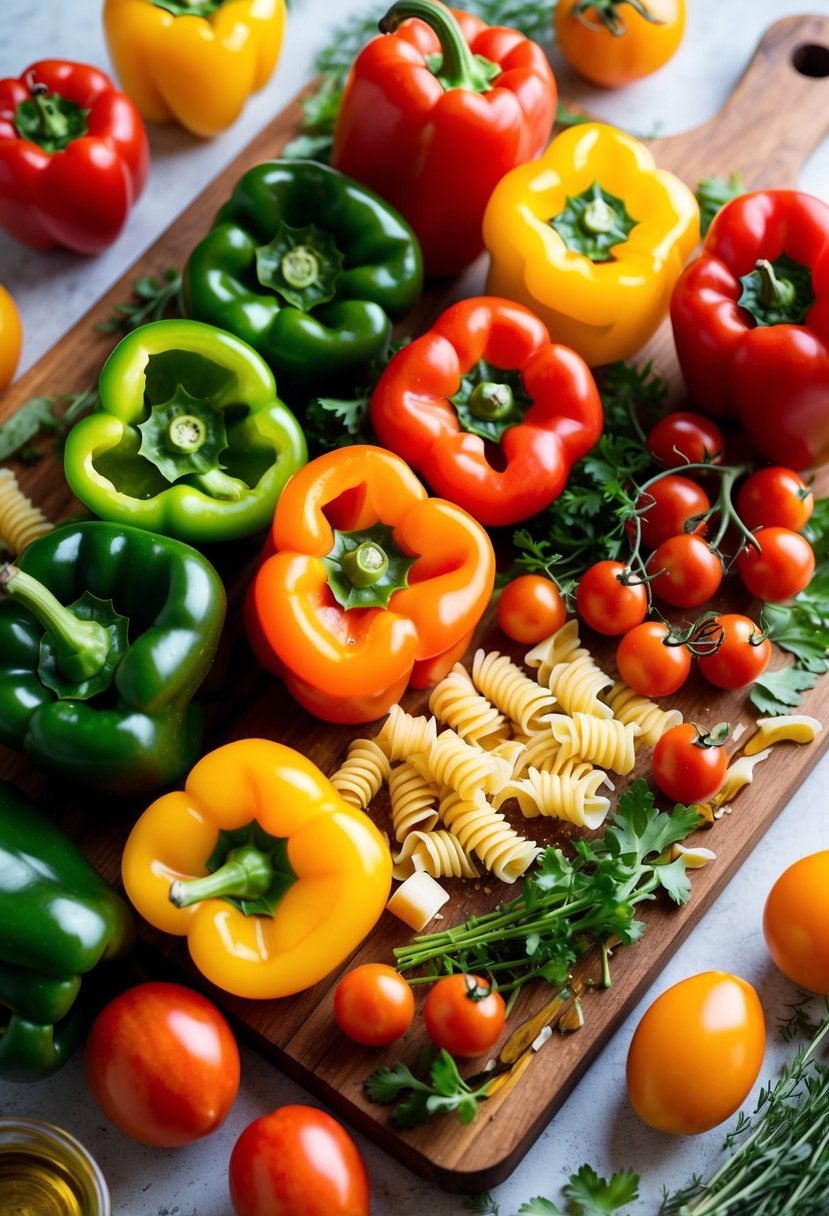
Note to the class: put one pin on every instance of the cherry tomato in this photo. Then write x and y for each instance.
(667, 504)
(11, 338)
(639, 47)
(463, 1016)
(648, 665)
(688, 766)
(297, 1161)
(691, 572)
(696, 1053)
(685, 438)
(743, 656)
(373, 1004)
(530, 608)
(775, 497)
(608, 605)
(783, 567)
(796, 922)
(162, 1064)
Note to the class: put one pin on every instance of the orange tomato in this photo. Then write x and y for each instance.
(639, 45)
(11, 338)
(696, 1053)
(796, 922)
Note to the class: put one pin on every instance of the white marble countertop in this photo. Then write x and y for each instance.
(53, 290)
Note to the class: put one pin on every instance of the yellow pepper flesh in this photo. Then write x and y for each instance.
(341, 861)
(604, 310)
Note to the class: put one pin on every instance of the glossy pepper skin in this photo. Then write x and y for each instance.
(487, 374)
(73, 157)
(58, 920)
(11, 338)
(189, 438)
(435, 145)
(752, 331)
(604, 287)
(106, 633)
(271, 917)
(310, 268)
(194, 64)
(348, 644)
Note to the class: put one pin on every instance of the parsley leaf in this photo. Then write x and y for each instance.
(54, 415)
(444, 1092)
(779, 692)
(591, 1195)
(155, 299)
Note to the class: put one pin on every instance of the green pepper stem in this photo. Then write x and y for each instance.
(365, 565)
(598, 217)
(246, 874)
(219, 484)
(186, 433)
(460, 68)
(54, 126)
(490, 400)
(774, 292)
(300, 266)
(81, 647)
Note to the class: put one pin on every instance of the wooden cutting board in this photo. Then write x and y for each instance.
(777, 114)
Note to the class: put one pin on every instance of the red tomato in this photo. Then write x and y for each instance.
(463, 1016)
(162, 1064)
(783, 567)
(775, 497)
(687, 765)
(612, 59)
(743, 656)
(530, 608)
(691, 571)
(667, 504)
(373, 1004)
(796, 922)
(685, 438)
(696, 1053)
(648, 665)
(297, 1161)
(608, 605)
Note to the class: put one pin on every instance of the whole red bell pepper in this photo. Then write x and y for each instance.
(751, 323)
(486, 377)
(435, 113)
(73, 157)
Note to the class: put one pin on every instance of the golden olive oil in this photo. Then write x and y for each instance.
(37, 1184)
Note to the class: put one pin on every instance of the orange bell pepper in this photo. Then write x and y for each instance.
(367, 585)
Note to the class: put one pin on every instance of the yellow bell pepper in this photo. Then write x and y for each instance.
(194, 62)
(591, 237)
(270, 875)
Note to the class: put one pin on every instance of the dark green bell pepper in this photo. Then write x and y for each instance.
(311, 269)
(105, 636)
(189, 438)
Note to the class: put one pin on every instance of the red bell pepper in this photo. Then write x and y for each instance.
(73, 157)
(485, 376)
(435, 113)
(751, 323)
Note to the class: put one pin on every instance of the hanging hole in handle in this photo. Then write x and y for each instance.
(811, 59)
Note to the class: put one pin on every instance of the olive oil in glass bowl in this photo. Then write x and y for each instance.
(46, 1172)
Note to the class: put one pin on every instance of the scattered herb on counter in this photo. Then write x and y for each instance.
(54, 415)
(155, 299)
(445, 1090)
(713, 193)
(587, 1195)
(334, 422)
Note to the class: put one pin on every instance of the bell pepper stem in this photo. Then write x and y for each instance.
(774, 290)
(81, 647)
(246, 874)
(365, 565)
(53, 124)
(460, 68)
(598, 217)
(491, 400)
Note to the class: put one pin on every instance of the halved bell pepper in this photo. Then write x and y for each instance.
(189, 438)
(367, 585)
(488, 410)
(194, 62)
(308, 267)
(58, 920)
(106, 633)
(592, 237)
(272, 878)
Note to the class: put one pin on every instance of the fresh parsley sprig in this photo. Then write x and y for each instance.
(443, 1092)
(50, 415)
(154, 299)
(587, 1194)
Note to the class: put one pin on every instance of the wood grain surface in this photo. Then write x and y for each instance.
(777, 114)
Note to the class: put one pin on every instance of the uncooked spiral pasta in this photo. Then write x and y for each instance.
(462, 766)
(402, 734)
(560, 647)
(456, 701)
(439, 853)
(578, 685)
(481, 830)
(413, 799)
(560, 796)
(629, 706)
(506, 686)
(362, 773)
(20, 520)
(603, 741)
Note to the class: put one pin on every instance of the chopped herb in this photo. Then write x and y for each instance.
(443, 1092)
(587, 1195)
(54, 415)
(155, 300)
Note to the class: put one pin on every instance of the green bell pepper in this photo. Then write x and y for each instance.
(58, 920)
(189, 438)
(310, 268)
(105, 636)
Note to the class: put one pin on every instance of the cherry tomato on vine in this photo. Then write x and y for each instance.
(775, 497)
(691, 572)
(796, 922)
(689, 763)
(650, 666)
(783, 567)
(297, 1161)
(530, 608)
(607, 604)
(696, 1053)
(647, 33)
(667, 504)
(463, 1016)
(373, 1004)
(685, 438)
(741, 658)
(162, 1064)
